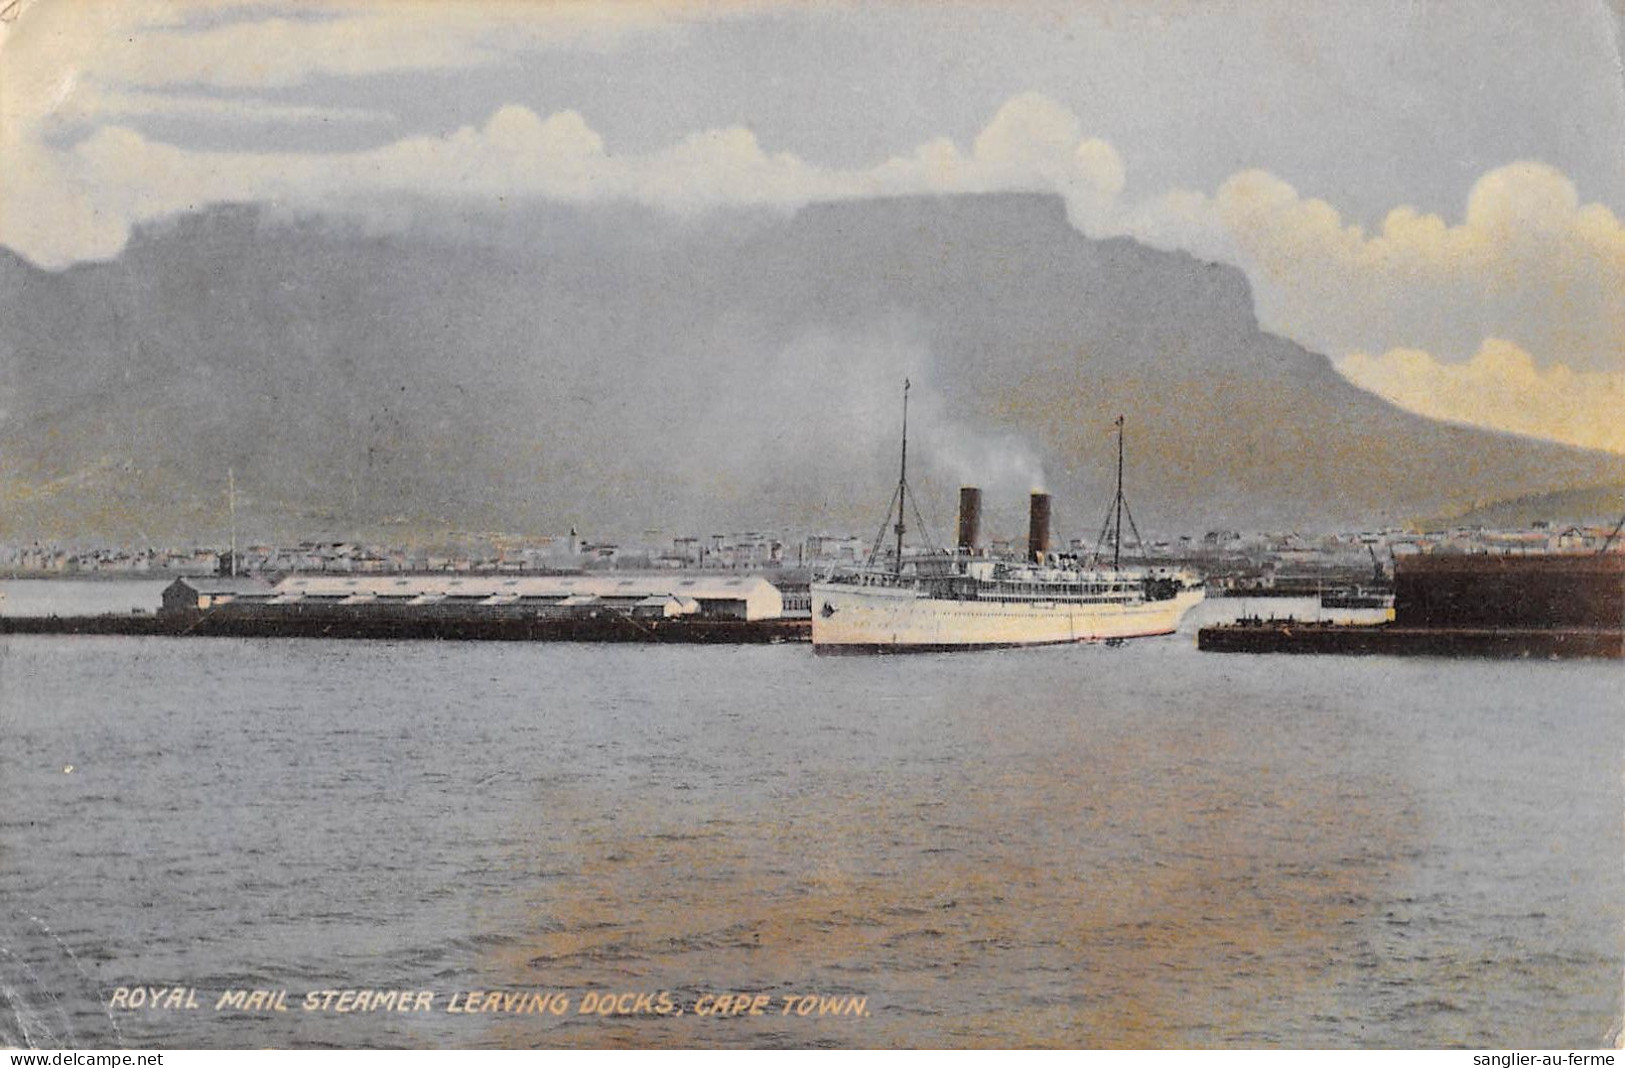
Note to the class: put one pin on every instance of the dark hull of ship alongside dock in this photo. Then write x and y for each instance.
(1535, 606)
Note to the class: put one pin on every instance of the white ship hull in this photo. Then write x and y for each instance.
(881, 619)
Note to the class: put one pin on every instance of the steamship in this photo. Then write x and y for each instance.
(940, 601)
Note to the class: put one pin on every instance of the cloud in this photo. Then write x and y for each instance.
(1527, 261)
(1029, 140)
(117, 178)
(360, 38)
(99, 105)
(73, 70)
(1500, 388)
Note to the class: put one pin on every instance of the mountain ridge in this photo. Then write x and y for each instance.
(619, 370)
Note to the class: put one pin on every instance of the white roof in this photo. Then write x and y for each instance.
(619, 584)
(760, 597)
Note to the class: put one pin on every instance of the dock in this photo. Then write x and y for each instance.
(1388, 639)
(1537, 606)
(606, 627)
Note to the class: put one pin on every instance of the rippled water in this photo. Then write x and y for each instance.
(1136, 846)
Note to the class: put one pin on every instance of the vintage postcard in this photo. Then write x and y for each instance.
(465, 466)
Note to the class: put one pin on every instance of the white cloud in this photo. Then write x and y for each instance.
(1500, 388)
(1527, 261)
(73, 66)
(117, 178)
(1030, 141)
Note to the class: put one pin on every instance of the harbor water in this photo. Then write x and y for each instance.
(1132, 846)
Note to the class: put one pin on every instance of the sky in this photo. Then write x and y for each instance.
(1431, 194)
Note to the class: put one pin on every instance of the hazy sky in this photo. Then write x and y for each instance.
(1430, 193)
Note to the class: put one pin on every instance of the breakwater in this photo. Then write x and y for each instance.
(604, 627)
(1387, 639)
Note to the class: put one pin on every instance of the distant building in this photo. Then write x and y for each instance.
(839, 548)
(198, 594)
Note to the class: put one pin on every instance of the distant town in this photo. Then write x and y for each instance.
(1232, 560)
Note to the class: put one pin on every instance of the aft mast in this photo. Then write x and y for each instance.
(231, 495)
(1118, 509)
(1117, 538)
(902, 485)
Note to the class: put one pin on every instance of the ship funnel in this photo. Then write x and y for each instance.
(1038, 528)
(970, 517)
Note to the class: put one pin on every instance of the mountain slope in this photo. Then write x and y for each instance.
(620, 370)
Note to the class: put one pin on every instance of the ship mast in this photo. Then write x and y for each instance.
(1117, 510)
(902, 485)
(231, 495)
(1615, 534)
(1117, 537)
(905, 500)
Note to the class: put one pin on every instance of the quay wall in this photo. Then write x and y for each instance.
(1391, 639)
(315, 623)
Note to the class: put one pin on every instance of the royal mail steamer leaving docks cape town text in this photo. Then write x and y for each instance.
(938, 600)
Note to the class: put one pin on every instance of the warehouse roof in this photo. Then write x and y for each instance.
(759, 597)
(618, 584)
(218, 584)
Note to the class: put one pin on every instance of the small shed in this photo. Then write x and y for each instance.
(195, 594)
(659, 606)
